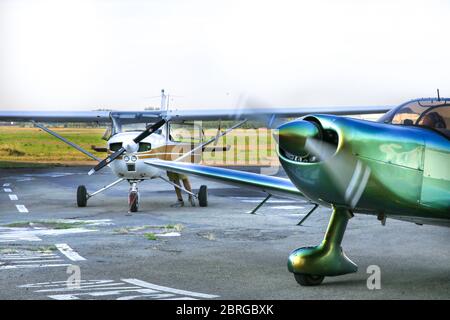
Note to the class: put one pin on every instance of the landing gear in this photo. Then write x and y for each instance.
(203, 196)
(308, 280)
(133, 198)
(82, 196)
(310, 265)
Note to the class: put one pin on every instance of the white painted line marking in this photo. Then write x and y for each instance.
(258, 200)
(268, 201)
(13, 197)
(64, 297)
(169, 234)
(287, 207)
(27, 266)
(21, 208)
(38, 261)
(87, 288)
(69, 252)
(46, 258)
(126, 289)
(6, 184)
(158, 296)
(7, 190)
(144, 284)
(26, 234)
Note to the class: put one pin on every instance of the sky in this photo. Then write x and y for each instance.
(84, 55)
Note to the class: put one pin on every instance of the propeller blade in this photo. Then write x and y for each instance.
(341, 168)
(148, 131)
(246, 104)
(107, 161)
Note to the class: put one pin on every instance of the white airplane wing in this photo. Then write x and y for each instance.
(275, 112)
(56, 116)
(187, 114)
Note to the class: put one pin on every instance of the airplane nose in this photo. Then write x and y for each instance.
(292, 136)
(131, 147)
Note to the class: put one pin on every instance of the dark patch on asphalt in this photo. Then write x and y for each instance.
(242, 234)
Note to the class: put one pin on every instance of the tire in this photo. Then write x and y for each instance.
(134, 201)
(308, 280)
(203, 196)
(82, 196)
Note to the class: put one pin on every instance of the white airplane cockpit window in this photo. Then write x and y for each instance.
(130, 127)
(185, 133)
(115, 146)
(133, 127)
(144, 147)
(132, 121)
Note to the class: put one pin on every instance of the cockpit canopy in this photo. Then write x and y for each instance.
(427, 113)
(133, 121)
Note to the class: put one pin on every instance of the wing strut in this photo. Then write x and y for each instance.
(218, 135)
(179, 187)
(260, 204)
(308, 214)
(73, 145)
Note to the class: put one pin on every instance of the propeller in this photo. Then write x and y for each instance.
(129, 147)
(246, 104)
(303, 141)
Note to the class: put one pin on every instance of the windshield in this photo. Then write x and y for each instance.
(128, 127)
(132, 121)
(431, 114)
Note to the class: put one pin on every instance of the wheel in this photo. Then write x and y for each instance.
(82, 196)
(133, 201)
(308, 280)
(203, 196)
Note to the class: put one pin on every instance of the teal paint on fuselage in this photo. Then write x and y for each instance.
(408, 170)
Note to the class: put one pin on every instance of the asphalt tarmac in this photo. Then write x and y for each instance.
(47, 244)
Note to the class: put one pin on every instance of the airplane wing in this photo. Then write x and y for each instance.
(181, 115)
(56, 116)
(275, 112)
(271, 185)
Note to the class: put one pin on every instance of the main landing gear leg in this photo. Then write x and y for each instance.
(83, 196)
(310, 265)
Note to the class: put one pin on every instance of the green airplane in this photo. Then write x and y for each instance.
(397, 167)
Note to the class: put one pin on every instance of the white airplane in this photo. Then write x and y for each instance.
(135, 137)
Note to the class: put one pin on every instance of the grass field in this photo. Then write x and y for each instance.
(25, 147)
(22, 146)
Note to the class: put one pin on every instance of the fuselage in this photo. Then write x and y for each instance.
(378, 168)
(131, 165)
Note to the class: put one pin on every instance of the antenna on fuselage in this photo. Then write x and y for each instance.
(165, 106)
(163, 100)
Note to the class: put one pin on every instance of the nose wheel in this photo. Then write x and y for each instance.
(133, 198)
(308, 279)
(310, 265)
